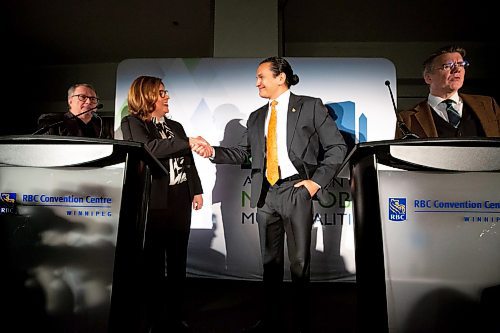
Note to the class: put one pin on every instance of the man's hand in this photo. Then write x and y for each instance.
(311, 186)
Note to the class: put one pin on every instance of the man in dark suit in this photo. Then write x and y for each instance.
(307, 151)
(446, 112)
(80, 120)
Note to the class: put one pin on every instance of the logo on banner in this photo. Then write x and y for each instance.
(7, 203)
(397, 209)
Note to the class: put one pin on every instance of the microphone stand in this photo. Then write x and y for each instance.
(407, 134)
(47, 127)
(95, 115)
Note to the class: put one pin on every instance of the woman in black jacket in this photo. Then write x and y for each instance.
(172, 198)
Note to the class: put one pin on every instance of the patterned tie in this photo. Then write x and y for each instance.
(453, 116)
(272, 147)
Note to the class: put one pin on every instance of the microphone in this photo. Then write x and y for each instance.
(407, 134)
(47, 127)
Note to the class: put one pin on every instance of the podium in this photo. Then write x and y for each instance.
(72, 219)
(427, 238)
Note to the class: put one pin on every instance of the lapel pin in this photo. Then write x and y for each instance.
(293, 110)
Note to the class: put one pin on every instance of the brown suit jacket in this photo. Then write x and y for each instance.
(419, 119)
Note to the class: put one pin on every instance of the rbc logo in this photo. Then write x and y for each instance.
(7, 203)
(8, 198)
(397, 209)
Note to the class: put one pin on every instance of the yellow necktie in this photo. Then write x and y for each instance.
(272, 147)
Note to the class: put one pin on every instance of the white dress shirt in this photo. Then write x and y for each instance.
(286, 167)
(436, 103)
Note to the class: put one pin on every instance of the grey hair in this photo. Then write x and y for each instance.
(71, 89)
(427, 65)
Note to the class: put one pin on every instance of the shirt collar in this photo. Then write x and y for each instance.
(434, 101)
(282, 99)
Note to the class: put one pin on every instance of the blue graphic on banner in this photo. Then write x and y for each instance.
(344, 114)
(397, 209)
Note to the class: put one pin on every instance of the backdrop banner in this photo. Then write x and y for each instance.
(213, 97)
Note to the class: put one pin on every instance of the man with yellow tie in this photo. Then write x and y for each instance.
(295, 149)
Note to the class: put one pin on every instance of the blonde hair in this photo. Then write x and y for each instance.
(142, 96)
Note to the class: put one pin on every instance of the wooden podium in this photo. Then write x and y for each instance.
(427, 238)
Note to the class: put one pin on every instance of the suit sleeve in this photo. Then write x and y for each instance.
(134, 129)
(332, 142)
(234, 155)
(194, 178)
(496, 109)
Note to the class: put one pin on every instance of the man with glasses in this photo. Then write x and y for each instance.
(81, 119)
(446, 112)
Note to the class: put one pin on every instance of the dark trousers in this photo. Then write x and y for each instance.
(287, 210)
(165, 257)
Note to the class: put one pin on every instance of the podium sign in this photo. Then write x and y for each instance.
(427, 216)
(62, 232)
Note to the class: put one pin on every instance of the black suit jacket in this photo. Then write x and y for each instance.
(67, 125)
(315, 145)
(135, 129)
(420, 121)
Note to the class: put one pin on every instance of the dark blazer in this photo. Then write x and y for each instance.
(134, 129)
(67, 125)
(315, 145)
(419, 119)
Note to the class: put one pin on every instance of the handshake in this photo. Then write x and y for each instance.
(201, 146)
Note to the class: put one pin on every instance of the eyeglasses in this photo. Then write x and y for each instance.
(452, 65)
(83, 98)
(163, 93)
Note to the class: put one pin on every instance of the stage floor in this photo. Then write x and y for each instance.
(228, 306)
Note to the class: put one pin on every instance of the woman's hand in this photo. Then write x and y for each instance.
(197, 202)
